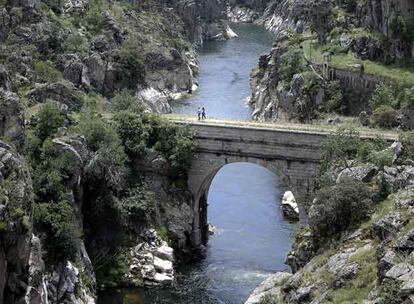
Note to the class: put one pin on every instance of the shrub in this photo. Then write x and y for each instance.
(111, 269)
(334, 96)
(52, 213)
(140, 132)
(407, 140)
(124, 100)
(49, 173)
(94, 19)
(407, 98)
(339, 208)
(390, 292)
(97, 131)
(48, 120)
(175, 143)
(381, 158)
(76, 43)
(366, 147)
(46, 71)
(339, 147)
(135, 131)
(107, 165)
(382, 96)
(139, 203)
(385, 117)
(132, 71)
(62, 237)
(55, 5)
(292, 63)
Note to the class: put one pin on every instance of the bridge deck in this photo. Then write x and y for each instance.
(285, 126)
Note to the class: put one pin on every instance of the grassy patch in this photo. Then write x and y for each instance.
(381, 210)
(46, 71)
(347, 61)
(357, 289)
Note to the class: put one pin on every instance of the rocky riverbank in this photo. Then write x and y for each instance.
(368, 260)
(311, 35)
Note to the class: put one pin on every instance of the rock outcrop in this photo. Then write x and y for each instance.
(372, 30)
(377, 253)
(204, 20)
(16, 198)
(11, 118)
(151, 262)
(290, 208)
(23, 272)
(270, 287)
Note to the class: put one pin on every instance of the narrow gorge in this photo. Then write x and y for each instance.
(296, 188)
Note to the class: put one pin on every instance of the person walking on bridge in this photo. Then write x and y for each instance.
(199, 113)
(203, 113)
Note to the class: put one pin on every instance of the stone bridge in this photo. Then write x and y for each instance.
(291, 153)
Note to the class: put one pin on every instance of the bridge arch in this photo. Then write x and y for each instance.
(206, 166)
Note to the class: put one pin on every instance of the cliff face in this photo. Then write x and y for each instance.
(362, 265)
(67, 54)
(16, 227)
(104, 47)
(204, 20)
(352, 32)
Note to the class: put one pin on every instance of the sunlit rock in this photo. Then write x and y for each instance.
(290, 208)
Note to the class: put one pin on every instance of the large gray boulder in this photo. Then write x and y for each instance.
(388, 226)
(269, 287)
(406, 242)
(364, 173)
(11, 118)
(401, 272)
(290, 208)
(60, 92)
(5, 81)
(386, 262)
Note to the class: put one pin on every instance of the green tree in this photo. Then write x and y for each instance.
(339, 208)
(385, 117)
(407, 98)
(125, 101)
(339, 147)
(292, 63)
(49, 119)
(382, 96)
(334, 96)
(46, 71)
(407, 140)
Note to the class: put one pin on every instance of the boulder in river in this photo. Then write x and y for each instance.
(211, 229)
(290, 208)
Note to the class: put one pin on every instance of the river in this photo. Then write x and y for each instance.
(252, 238)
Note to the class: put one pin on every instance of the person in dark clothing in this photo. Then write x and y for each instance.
(199, 113)
(203, 113)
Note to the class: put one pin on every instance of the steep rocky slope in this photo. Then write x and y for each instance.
(368, 43)
(65, 49)
(357, 247)
(89, 220)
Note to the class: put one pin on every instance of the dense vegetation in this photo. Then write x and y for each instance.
(112, 188)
